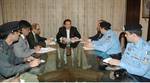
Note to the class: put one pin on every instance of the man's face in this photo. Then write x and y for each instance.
(37, 30)
(25, 31)
(67, 25)
(97, 25)
(15, 36)
(129, 36)
(101, 30)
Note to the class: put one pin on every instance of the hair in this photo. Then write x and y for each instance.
(105, 25)
(134, 28)
(24, 24)
(122, 35)
(101, 20)
(34, 25)
(137, 32)
(66, 20)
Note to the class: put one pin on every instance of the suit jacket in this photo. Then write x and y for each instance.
(22, 49)
(35, 40)
(62, 33)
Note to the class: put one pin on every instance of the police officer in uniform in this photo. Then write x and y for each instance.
(136, 58)
(108, 45)
(10, 65)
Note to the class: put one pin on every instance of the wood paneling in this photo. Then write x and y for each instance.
(51, 13)
(133, 11)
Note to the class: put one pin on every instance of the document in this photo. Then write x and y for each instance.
(106, 60)
(47, 49)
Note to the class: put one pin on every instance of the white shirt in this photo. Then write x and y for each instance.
(34, 37)
(68, 33)
(23, 37)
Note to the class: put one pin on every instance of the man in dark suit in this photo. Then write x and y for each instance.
(68, 39)
(34, 37)
(66, 33)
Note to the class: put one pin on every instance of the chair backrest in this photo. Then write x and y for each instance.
(123, 41)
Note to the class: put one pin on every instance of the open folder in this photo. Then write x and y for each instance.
(47, 49)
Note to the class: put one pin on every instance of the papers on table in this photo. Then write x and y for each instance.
(42, 61)
(106, 60)
(86, 48)
(45, 50)
(52, 43)
(75, 40)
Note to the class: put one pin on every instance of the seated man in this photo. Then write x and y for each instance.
(67, 36)
(108, 45)
(21, 48)
(10, 65)
(136, 58)
(34, 37)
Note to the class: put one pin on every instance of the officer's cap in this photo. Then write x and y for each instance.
(13, 26)
(24, 24)
(9, 27)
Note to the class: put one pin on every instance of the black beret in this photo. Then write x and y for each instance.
(9, 27)
(24, 24)
(133, 27)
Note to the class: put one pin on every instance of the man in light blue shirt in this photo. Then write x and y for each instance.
(108, 45)
(136, 58)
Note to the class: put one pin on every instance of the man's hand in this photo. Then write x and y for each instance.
(48, 41)
(30, 58)
(75, 39)
(114, 62)
(34, 63)
(63, 40)
(88, 45)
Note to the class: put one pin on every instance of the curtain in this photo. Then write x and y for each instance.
(50, 14)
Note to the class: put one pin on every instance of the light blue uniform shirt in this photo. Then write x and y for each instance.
(108, 44)
(136, 59)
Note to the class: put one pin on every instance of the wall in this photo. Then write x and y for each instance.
(144, 23)
(51, 13)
